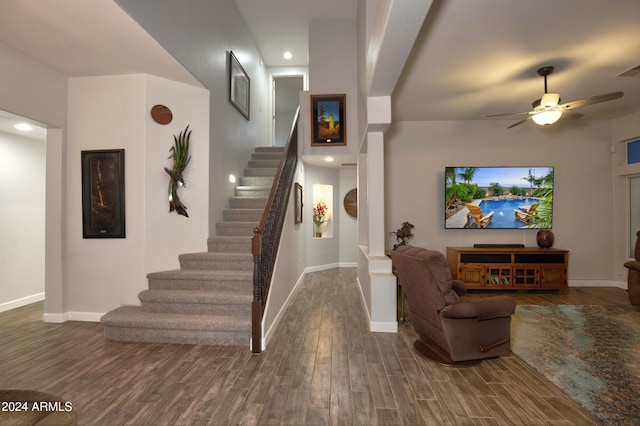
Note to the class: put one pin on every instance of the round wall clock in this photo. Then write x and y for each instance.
(161, 114)
(350, 202)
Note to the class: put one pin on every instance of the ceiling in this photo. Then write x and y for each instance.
(283, 25)
(471, 59)
(476, 58)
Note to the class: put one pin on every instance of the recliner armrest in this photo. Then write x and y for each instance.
(459, 287)
(483, 309)
(633, 264)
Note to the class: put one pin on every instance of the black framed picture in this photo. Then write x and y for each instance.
(239, 86)
(328, 120)
(299, 204)
(103, 194)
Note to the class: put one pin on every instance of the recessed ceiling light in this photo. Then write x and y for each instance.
(328, 159)
(24, 127)
(287, 55)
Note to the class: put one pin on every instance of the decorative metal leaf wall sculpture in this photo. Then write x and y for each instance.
(180, 154)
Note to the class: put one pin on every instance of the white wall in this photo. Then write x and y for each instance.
(45, 99)
(417, 152)
(112, 112)
(332, 70)
(168, 234)
(348, 230)
(22, 220)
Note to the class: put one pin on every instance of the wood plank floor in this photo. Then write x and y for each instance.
(322, 367)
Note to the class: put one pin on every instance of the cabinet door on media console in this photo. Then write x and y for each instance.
(498, 276)
(472, 275)
(553, 277)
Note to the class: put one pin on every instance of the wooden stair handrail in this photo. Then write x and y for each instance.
(264, 250)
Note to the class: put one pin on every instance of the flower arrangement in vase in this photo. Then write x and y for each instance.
(319, 214)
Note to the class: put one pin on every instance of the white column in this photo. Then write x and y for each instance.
(375, 181)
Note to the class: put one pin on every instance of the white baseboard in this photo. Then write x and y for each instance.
(72, 316)
(597, 283)
(86, 316)
(321, 267)
(55, 318)
(364, 301)
(23, 301)
(383, 327)
(269, 333)
(376, 326)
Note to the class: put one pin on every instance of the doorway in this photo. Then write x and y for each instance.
(22, 229)
(285, 98)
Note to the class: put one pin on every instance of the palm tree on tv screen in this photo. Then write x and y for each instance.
(467, 174)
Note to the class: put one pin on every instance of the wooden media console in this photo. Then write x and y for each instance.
(508, 268)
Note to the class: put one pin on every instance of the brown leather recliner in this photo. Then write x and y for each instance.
(633, 280)
(450, 331)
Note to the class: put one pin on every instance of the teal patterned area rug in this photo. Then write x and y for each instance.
(591, 352)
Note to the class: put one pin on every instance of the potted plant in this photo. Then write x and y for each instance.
(319, 214)
(403, 235)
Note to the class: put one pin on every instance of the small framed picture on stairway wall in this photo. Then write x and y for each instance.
(328, 120)
(299, 205)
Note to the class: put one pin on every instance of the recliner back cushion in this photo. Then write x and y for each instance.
(431, 268)
(441, 274)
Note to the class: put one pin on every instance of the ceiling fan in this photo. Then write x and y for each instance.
(547, 110)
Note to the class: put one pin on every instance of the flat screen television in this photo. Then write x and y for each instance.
(498, 197)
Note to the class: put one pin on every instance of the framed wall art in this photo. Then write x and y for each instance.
(328, 120)
(239, 86)
(103, 194)
(299, 204)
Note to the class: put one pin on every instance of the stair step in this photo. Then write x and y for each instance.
(266, 156)
(252, 191)
(229, 244)
(132, 323)
(248, 202)
(194, 279)
(236, 229)
(264, 164)
(260, 171)
(197, 302)
(220, 261)
(242, 215)
(266, 181)
(279, 149)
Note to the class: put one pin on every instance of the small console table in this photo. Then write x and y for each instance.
(522, 268)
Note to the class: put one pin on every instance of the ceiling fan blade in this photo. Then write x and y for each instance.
(571, 115)
(520, 122)
(590, 101)
(509, 113)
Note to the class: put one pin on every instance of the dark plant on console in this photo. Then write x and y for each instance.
(403, 235)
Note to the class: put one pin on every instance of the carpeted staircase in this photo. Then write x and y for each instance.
(208, 300)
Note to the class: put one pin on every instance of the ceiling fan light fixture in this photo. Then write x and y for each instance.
(550, 100)
(547, 117)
